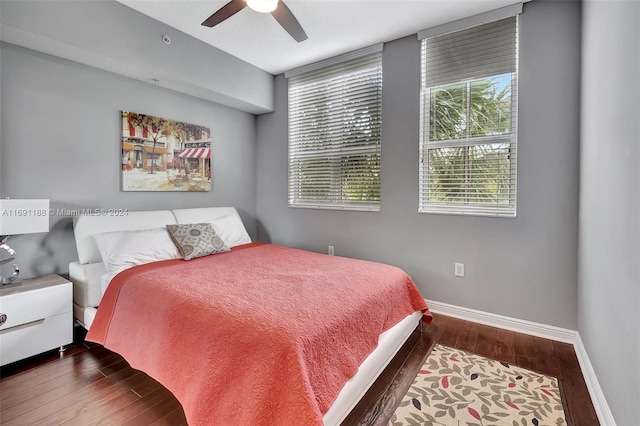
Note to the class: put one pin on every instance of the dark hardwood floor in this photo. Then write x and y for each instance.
(89, 385)
(534, 353)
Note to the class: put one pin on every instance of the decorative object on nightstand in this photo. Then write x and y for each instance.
(38, 317)
(20, 217)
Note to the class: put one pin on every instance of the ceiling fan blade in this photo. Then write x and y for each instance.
(226, 11)
(288, 21)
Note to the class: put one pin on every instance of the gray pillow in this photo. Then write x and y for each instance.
(196, 240)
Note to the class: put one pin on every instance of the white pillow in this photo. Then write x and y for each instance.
(123, 249)
(231, 230)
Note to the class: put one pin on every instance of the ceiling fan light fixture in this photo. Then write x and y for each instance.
(263, 6)
(278, 9)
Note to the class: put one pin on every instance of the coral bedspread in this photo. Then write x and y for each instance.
(263, 334)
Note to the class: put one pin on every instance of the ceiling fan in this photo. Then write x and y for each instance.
(277, 8)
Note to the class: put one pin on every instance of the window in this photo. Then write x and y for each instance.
(468, 120)
(334, 133)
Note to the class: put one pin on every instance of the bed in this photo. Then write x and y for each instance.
(318, 359)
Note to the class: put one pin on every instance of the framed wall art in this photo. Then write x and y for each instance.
(159, 154)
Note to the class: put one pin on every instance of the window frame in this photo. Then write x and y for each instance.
(343, 145)
(466, 205)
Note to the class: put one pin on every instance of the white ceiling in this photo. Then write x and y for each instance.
(333, 26)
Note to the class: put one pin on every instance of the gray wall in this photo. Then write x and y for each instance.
(609, 253)
(111, 36)
(524, 267)
(60, 139)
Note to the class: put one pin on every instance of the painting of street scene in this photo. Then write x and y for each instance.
(159, 154)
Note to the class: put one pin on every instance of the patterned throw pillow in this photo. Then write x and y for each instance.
(196, 240)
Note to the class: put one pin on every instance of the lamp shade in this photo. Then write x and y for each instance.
(23, 216)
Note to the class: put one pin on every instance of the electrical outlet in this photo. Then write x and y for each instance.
(330, 251)
(459, 269)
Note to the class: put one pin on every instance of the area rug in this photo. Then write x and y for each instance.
(455, 387)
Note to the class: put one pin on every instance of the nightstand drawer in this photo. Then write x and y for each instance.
(37, 315)
(28, 306)
(35, 337)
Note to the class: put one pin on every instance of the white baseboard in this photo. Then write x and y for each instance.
(597, 396)
(540, 330)
(513, 324)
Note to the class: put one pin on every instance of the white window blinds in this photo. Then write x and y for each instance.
(334, 133)
(468, 129)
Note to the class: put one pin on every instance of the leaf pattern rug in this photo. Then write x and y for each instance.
(458, 388)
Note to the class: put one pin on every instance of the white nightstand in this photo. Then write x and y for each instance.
(39, 317)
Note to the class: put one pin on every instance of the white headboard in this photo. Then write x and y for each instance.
(203, 215)
(86, 274)
(85, 227)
